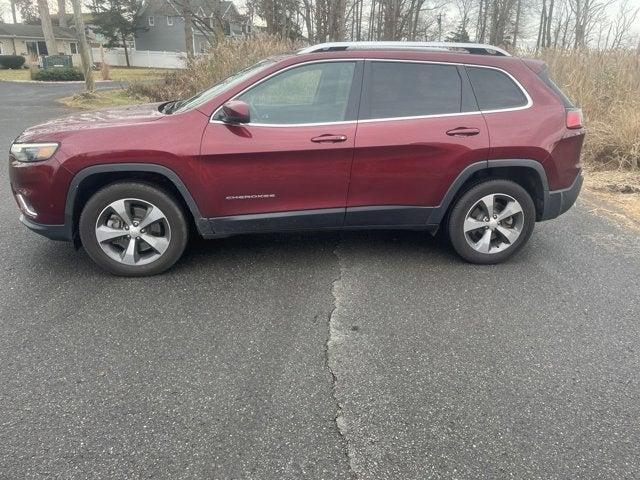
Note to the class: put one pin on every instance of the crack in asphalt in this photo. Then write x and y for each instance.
(334, 339)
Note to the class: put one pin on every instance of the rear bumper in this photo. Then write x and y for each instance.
(54, 232)
(559, 201)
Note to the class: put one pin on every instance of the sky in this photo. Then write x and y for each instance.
(5, 10)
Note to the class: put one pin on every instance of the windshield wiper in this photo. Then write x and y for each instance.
(170, 107)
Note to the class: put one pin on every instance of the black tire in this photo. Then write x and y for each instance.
(173, 213)
(463, 205)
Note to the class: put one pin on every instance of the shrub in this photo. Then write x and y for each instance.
(57, 74)
(13, 62)
(225, 58)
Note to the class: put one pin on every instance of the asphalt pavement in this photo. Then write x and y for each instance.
(369, 355)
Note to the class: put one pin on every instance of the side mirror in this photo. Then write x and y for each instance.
(236, 111)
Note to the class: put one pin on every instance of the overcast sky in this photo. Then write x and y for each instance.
(613, 9)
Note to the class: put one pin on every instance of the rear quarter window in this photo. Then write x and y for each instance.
(566, 101)
(495, 90)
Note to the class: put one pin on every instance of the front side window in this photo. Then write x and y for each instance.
(398, 89)
(495, 90)
(73, 47)
(152, 21)
(169, 21)
(312, 93)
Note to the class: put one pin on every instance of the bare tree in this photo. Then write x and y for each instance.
(85, 54)
(188, 27)
(47, 27)
(13, 11)
(62, 13)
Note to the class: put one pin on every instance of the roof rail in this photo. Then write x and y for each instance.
(474, 48)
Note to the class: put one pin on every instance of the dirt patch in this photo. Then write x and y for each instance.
(615, 192)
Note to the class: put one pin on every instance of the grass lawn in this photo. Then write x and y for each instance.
(134, 73)
(14, 74)
(121, 74)
(101, 99)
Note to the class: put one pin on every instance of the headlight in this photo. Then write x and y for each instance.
(33, 152)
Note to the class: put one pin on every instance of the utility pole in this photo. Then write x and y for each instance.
(85, 55)
(47, 27)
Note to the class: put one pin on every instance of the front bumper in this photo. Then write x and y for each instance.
(54, 232)
(559, 201)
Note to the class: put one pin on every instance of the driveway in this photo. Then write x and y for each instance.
(370, 355)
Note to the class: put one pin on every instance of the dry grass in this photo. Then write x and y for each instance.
(606, 85)
(102, 99)
(223, 60)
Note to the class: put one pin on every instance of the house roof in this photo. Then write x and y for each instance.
(33, 31)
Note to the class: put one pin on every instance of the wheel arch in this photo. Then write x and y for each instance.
(89, 179)
(529, 174)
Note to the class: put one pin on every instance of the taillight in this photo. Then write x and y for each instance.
(574, 118)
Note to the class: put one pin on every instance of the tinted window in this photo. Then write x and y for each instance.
(494, 89)
(398, 89)
(566, 101)
(313, 93)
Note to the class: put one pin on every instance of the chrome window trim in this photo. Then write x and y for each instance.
(529, 103)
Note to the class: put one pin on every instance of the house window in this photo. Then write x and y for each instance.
(73, 46)
(169, 21)
(203, 47)
(152, 21)
(0, 48)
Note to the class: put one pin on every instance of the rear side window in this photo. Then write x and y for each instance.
(494, 89)
(544, 75)
(397, 89)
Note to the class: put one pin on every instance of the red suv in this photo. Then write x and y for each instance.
(461, 138)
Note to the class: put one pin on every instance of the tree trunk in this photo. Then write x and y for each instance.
(47, 27)
(13, 11)
(85, 54)
(516, 27)
(62, 13)
(188, 30)
(126, 50)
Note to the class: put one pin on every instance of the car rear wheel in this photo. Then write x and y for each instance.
(133, 229)
(491, 221)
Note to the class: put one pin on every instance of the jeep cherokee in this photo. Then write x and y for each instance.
(461, 138)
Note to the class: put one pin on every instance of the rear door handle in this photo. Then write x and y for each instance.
(328, 138)
(463, 132)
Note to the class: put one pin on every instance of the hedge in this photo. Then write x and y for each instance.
(13, 62)
(57, 74)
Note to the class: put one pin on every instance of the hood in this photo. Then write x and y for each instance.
(112, 117)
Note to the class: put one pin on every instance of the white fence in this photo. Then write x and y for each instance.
(140, 58)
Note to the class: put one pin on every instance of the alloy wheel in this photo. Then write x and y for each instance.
(494, 223)
(133, 231)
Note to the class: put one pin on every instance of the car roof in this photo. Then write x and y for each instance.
(432, 55)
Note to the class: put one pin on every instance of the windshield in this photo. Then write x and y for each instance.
(228, 82)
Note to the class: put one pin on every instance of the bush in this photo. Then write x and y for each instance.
(57, 74)
(13, 62)
(225, 58)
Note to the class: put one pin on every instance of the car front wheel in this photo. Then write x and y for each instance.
(491, 221)
(133, 229)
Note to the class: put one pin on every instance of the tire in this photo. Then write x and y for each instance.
(159, 238)
(485, 240)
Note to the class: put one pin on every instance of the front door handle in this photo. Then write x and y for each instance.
(328, 138)
(463, 132)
